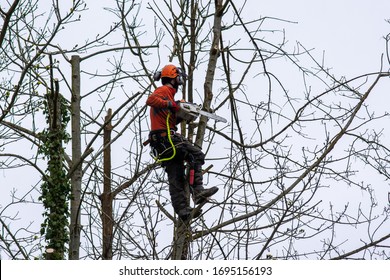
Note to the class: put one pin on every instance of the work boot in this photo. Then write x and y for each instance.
(201, 196)
(185, 214)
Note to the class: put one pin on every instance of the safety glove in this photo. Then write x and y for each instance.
(173, 107)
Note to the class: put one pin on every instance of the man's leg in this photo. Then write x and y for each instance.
(177, 190)
(196, 158)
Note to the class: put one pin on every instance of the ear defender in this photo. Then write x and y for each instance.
(179, 80)
(172, 72)
(181, 76)
(157, 76)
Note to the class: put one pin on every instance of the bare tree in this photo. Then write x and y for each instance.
(291, 164)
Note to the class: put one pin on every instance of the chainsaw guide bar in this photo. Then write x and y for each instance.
(190, 112)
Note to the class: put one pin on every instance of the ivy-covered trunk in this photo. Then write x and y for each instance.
(56, 187)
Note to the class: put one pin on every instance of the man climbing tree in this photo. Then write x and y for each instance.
(171, 148)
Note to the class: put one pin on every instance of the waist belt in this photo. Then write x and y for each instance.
(156, 135)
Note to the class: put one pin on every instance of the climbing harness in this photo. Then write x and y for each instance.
(188, 157)
(155, 155)
(170, 142)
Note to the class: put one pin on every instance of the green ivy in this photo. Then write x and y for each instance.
(56, 187)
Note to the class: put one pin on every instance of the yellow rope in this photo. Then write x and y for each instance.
(170, 141)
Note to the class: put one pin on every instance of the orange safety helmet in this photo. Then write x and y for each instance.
(172, 72)
(169, 71)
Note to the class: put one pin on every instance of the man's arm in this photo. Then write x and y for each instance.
(154, 100)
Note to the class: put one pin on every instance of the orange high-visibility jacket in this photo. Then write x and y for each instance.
(160, 101)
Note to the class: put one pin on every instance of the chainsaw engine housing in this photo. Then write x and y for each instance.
(188, 111)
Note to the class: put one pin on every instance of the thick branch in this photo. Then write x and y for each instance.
(7, 20)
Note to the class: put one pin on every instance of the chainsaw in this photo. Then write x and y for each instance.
(190, 112)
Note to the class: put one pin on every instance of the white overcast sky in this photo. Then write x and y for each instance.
(350, 31)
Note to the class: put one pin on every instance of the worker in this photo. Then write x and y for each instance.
(163, 109)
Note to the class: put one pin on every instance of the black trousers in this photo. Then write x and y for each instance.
(185, 151)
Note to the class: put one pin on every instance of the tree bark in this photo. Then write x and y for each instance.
(75, 227)
(106, 197)
(7, 20)
(182, 235)
(182, 240)
(208, 84)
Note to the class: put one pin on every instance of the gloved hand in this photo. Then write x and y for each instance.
(174, 107)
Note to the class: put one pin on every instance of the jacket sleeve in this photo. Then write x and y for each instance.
(155, 100)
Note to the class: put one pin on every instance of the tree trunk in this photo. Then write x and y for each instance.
(106, 197)
(208, 84)
(56, 215)
(74, 243)
(182, 236)
(182, 240)
(182, 231)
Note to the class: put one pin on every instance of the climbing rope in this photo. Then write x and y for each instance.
(170, 141)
